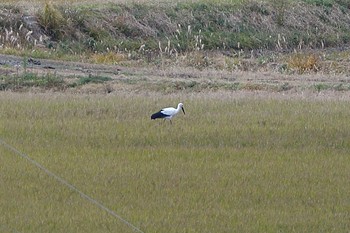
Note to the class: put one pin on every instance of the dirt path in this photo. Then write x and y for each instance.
(63, 68)
(171, 79)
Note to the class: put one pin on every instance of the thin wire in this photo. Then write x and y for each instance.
(72, 187)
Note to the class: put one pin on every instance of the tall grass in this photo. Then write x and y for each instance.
(174, 28)
(231, 164)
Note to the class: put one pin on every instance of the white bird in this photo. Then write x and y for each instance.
(168, 113)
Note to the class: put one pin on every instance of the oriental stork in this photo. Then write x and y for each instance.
(168, 113)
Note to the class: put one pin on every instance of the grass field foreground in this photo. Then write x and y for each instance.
(231, 164)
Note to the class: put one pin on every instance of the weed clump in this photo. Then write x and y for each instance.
(303, 63)
(52, 21)
(108, 58)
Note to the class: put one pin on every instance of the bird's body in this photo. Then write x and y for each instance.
(168, 113)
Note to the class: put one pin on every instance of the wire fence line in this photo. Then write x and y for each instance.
(70, 186)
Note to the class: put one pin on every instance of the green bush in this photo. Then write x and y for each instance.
(93, 79)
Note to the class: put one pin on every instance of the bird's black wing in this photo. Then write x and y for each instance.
(158, 115)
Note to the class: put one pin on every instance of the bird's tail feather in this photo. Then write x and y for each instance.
(158, 115)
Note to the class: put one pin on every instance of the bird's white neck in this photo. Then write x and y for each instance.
(178, 108)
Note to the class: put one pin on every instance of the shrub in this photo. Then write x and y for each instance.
(303, 62)
(52, 21)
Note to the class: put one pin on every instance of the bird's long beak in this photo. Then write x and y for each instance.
(183, 110)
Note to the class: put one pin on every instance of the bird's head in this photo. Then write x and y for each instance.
(181, 105)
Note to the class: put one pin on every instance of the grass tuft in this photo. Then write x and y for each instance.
(52, 21)
(92, 79)
(303, 62)
(108, 58)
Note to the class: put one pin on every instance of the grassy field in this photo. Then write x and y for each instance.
(240, 160)
(233, 163)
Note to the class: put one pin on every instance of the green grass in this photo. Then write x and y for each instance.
(231, 164)
(29, 79)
